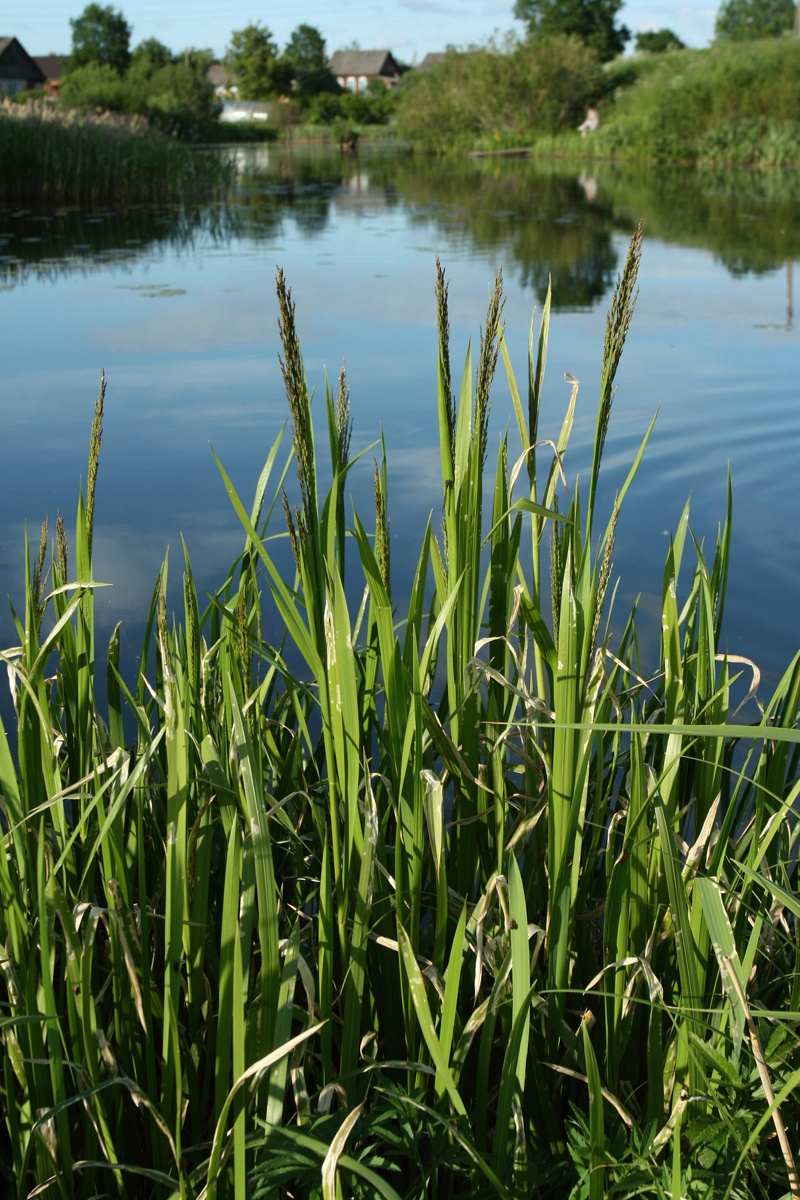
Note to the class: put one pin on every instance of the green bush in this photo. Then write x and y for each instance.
(95, 86)
(372, 107)
(487, 97)
(175, 96)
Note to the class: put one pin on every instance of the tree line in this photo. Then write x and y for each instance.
(595, 23)
(173, 90)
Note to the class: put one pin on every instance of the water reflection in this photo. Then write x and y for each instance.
(66, 241)
(540, 224)
(199, 363)
(541, 220)
(747, 219)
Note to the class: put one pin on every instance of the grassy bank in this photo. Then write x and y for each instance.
(66, 157)
(733, 104)
(468, 900)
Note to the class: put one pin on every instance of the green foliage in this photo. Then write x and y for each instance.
(305, 53)
(306, 49)
(253, 56)
(593, 21)
(346, 111)
(150, 55)
(374, 106)
(173, 94)
(100, 35)
(485, 98)
(756, 142)
(735, 104)
(179, 99)
(659, 41)
(64, 157)
(324, 108)
(447, 902)
(94, 86)
(747, 20)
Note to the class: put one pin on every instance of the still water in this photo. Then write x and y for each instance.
(178, 308)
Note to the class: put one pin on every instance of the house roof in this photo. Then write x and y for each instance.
(51, 65)
(431, 60)
(364, 62)
(16, 63)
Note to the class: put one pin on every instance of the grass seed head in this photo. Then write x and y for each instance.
(95, 441)
(299, 401)
(443, 324)
(487, 364)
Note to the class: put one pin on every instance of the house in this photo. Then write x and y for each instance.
(18, 71)
(52, 67)
(356, 69)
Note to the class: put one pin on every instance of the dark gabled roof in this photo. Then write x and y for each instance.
(51, 65)
(364, 62)
(16, 63)
(431, 60)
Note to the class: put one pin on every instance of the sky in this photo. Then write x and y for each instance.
(409, 28)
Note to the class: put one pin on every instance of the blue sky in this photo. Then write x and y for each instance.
(409, 28)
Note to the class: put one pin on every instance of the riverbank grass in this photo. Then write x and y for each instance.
(62, 157)
(735, 104)
(463, 900)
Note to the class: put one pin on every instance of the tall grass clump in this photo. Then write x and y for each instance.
(734, 104)
(66, 157)
(334, 900)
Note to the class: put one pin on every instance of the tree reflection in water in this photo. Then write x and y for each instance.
(540, 219)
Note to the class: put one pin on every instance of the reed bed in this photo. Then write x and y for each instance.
(462, 901)
(67, 157)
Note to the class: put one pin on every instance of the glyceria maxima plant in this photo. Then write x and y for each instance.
(459, 900)
(65, 156)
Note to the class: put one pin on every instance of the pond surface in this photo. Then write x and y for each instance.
(178, 308)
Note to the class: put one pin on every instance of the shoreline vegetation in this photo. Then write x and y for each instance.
(59, 156)
(732, 104)
(735, 104)
(466, 900)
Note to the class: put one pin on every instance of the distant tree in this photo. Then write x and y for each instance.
(153, 53)
(198, 59)
(743, 20)
(100, 35)
(658, 42)
(180, 98)
(305, 55)
(253, 56)
(593, 21)
(306, 48)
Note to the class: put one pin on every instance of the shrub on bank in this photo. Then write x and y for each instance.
(175, 98)
(489, 97)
